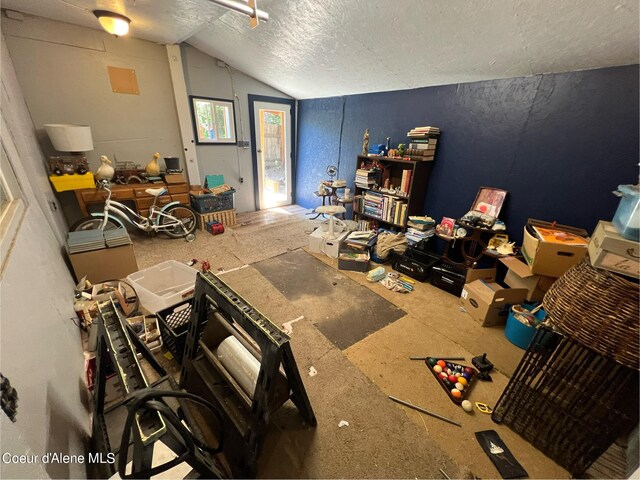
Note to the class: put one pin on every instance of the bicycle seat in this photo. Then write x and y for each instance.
(156, 192)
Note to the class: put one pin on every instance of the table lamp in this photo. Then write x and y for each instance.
(74, 139)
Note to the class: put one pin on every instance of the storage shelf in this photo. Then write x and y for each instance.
(394, 195)
(373, 217)
(393, 170)
(393, 159)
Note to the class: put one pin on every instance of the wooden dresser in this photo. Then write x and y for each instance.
(178, 192)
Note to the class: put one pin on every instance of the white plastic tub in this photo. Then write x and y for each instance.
(163, 285)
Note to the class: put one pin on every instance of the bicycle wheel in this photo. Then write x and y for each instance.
(93, 223)
(187, 218)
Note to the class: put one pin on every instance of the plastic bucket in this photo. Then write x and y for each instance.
(517, 332)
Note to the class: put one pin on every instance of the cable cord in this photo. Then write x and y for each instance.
(150, 399)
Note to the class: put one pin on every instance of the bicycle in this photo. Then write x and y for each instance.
(174, 219)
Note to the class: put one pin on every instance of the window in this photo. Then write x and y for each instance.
(213, 120)
(12, 205)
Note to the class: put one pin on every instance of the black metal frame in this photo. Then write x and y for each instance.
(118, 341)
(202, 372)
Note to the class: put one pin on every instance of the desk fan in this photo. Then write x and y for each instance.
(332, 171)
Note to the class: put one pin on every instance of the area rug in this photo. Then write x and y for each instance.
(343, 310)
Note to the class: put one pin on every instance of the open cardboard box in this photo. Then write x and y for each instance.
(553, 258)
(488, 302)
(520, 275)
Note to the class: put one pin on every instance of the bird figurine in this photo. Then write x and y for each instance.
(105, 171)
(152, 168)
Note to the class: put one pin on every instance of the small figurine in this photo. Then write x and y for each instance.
(386, 184)
(152, 168)
(365, 142)
(401, 149)
(105, 171)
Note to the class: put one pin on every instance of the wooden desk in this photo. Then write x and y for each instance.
(178, 192)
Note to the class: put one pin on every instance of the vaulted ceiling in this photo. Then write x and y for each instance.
(320, 48)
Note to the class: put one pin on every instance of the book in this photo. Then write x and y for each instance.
(421, 153)
(553, 235)
(422, 146)
(405, 183)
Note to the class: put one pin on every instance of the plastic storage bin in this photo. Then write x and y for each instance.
(175, 327)
(208, 202)
(627, 217)
(163, 285)
(449, 277)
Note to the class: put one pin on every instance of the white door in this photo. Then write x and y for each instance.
(273, 153)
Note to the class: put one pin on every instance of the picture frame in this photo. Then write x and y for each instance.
(213, 120)
(489, 201)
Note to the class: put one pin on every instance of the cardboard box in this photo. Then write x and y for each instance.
(172, 178)
(550, 258)
(104, 264)
(486, 274)
(488, 302)
(520, 275)
(611, 251)
(318, 243)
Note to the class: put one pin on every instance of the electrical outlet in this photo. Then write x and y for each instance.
(243, 144)
(241, 180)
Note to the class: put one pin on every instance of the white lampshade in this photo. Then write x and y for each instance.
(70, 138)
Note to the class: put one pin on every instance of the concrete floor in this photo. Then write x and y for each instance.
(383, 439)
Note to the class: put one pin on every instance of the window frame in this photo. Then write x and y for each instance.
(12, 215)
(214, 104)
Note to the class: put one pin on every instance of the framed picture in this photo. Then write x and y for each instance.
(489, 201)
(214, 120)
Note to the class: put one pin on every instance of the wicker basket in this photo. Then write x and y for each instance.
(226, 217)
(599, 309)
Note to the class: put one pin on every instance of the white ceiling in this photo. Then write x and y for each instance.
(320, 48)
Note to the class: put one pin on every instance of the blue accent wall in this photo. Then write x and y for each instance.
(559, 143)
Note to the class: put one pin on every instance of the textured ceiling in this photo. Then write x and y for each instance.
(319, 48)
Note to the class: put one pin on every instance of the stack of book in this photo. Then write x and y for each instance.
(422, 143)
(384, 207)
(364, 225)
(365, 178)
(360, 240)
(424, 224)
(405, 183)
(415, 236)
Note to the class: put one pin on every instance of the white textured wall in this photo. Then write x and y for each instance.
(206, 79)
(40, 349)
(62, 70)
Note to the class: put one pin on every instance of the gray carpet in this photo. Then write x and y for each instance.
(344, 311)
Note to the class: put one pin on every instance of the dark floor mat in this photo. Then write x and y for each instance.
(344, 311)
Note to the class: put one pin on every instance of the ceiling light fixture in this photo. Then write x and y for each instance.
(248, 7)
(112, 22)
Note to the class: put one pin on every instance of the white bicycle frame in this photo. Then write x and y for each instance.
(146, 224)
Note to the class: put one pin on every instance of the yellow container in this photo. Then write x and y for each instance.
(65, 182)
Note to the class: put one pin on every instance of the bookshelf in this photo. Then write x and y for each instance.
(386, 209)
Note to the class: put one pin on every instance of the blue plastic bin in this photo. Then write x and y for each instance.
(518, 333)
